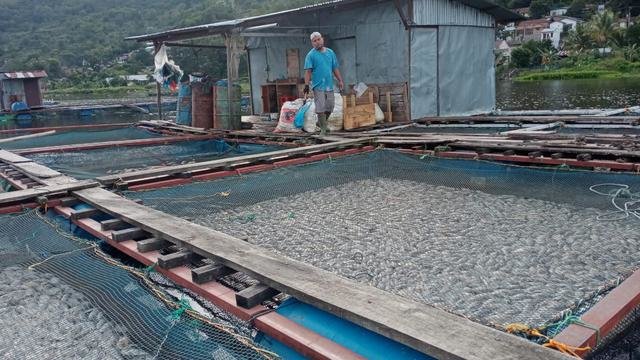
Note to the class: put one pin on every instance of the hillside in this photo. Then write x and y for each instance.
(60, 36)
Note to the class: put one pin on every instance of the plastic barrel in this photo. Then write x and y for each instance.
(201, 105)
(221, 117)
(184, 104)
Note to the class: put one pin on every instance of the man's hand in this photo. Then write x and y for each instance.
(340, 85)
(306, 90)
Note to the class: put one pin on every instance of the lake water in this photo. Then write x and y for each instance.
(567, 94)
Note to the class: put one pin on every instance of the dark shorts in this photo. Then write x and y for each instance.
(324, 101)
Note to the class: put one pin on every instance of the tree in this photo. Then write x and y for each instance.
(539, 8)
(520, 57)
(601, 27)
(579, 40)
(577, 9)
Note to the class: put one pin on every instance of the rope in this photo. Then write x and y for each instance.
(566, 349)
(523, 329)
(569, 319)
(619, 191)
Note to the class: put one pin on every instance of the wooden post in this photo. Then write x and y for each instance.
(389, 114)
(157, 45)
(233, 43)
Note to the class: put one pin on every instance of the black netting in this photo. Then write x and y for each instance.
(77, 137)
(93, 163)
(492, 242)
(73, 300)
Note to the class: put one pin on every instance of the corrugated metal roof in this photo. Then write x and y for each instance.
(499, 13)
(23, 74)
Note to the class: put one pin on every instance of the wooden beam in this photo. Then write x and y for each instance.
(113, 224)
(22, 137)
(255, 295)
(128, 234)
(174, 44)
(169, 170)
(432, 331)
(84, 213)
(210, 272)
(176, 259)
(152, 244)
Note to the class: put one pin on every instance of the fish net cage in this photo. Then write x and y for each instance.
(87, 164)
(66, 294)
(77, 137)
(495, 243)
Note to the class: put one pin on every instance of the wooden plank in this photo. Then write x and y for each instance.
(20, 195)
(12, 158)
(22, 137)
(210, 272)
(293, 63)
(255, 295)
(108, 144)
(432, 331)
(168, 170)
(36, 170)
(176, 259)
(535, 128)
(152, 244)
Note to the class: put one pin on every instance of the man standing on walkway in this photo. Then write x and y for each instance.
(320, 66)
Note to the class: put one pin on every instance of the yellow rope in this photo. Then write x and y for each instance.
(564, 348)
(517, 328)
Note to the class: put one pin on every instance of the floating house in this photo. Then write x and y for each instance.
(434, 57)
(22, 86)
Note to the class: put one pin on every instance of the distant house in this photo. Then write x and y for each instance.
(559, 11)
(524, 11)
(552, 28)
(21, 86)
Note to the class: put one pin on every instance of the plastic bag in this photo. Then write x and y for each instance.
(311, 118)
(336, 119)
(379, 114)
(299, 120)
(287, 116)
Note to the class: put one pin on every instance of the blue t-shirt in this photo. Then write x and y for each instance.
(321, 64)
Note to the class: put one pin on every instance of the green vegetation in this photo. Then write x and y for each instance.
(78, 41)
(597, 49)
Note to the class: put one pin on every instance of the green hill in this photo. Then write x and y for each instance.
(68, 36)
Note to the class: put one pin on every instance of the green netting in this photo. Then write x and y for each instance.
(94, 163)
(64, 296)
(495, 243)
(78, 137)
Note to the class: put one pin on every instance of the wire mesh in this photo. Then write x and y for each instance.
(93, 163)
(72, 299)
(495, 243)
(78, 137)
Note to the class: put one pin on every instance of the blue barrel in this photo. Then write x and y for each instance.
(184, 104)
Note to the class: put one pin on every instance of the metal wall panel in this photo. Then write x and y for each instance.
(466, 70)
(449, 12)
(424, 80)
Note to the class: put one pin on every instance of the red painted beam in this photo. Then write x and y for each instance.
(605, 315)
(297, 337)
(15, 183)
(12, 209)
(522, 159)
